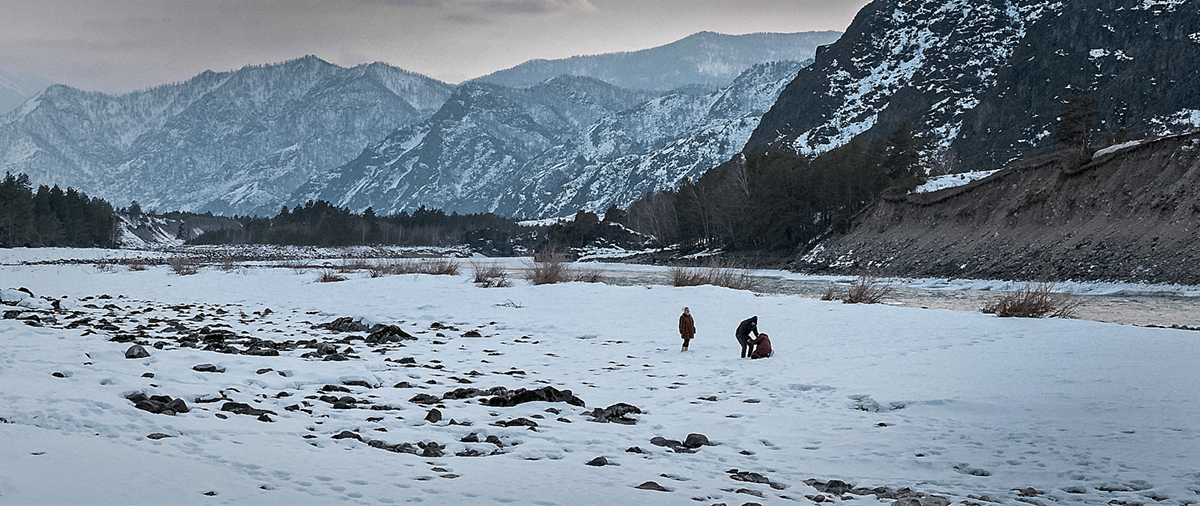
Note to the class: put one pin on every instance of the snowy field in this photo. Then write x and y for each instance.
(898, 403)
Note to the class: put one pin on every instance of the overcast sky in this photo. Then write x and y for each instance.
(118, 46)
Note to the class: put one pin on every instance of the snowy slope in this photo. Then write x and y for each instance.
(567, 144)
(964, 406)
(707, 58)
(920, 61)
(652, 147)
(232, 142)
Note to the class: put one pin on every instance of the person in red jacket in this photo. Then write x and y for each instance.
(687, 328)
(762, 347)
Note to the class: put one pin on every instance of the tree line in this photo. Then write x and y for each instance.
(52, 217)
(777, 199)
(320, 223)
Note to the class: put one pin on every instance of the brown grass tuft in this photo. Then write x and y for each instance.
(1034, 300)
(868, 290)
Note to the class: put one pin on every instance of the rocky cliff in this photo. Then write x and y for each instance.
(1130, 215)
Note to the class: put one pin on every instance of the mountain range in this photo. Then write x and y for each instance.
(252, 140)
(227, 142)
(705, 58)
(567, 144)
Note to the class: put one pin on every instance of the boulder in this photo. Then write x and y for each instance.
(136, 351)
(695, 440)
(615, 413)
(598, 462)
(207, 368)
(650, 485)
(434, 416)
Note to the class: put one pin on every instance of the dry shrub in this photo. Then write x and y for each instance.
(868, 290)
(490, 275)
(591, 275)
(298, 266)
(718, 274)
(227, 263)
(1034, 300)
(137, 265)
(439, 267)
(183, 266)
(831, 293)
(330, 276)
(104, 265)
(547, 269)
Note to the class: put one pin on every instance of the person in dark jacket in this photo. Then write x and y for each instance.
(747, 327)
(687, 328)
(762, 347)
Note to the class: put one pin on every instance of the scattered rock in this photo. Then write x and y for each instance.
(208, 368)
(136, 351)
(695, 440)
(598, 462)
(634, 449)
(347, 435)
(424, 399)
(615, 413)
(472, 333)
(434, 416)
(344, 324)
(519, 422)
(57, 374)
(158, 435)
(241, 408)
(544, 394)
(651, 485)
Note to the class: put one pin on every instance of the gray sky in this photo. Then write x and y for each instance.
(121, 45)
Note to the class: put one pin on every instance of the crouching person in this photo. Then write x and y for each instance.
(762, 347)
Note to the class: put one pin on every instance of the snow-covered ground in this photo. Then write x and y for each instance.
(960, 405)
(951, 180)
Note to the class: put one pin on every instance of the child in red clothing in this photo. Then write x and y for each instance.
(762, 347)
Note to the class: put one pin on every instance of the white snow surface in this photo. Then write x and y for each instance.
(951, 180)
(957, 404)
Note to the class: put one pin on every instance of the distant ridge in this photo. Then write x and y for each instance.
(707, 58)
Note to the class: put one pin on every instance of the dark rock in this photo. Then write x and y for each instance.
(57, 374)
(347, 435)
(662, 441)
(615, 413)
(207, 368)
(472, 333)
(469, 452)
(408, 360)
(136, 351)
(388, 334)
(832, 487)
(544, 394)
(494, 440)
(519, 422)
(598, 462)
(148, 375)
(434, 416)
(11, 315)
(344, 324)
(264, 418)
(650, 485)
(402, 384)
(695, 440)
(747, 491)
(470, 438)
(335, 358)
(326, 349)
(241, 408)
(158, 435)
(431, 449)
(263, 370)
(357, 383)
(424, 398)
(333, 388)
(177, 405)
(634, 449)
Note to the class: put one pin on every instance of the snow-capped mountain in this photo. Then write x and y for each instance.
(534, 153)
(228, 142)
(651, 147)
(707, 58)
(988, 77)
(921, 61)
(471, 151)
(15, 89)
